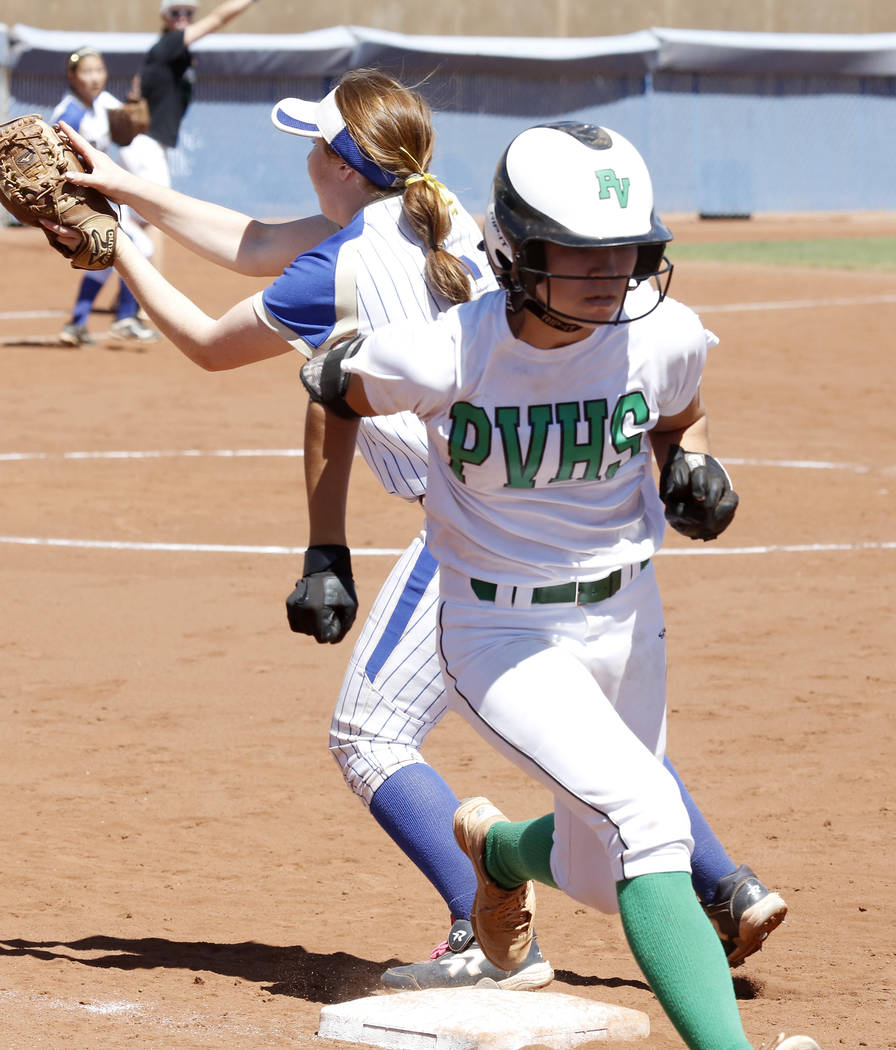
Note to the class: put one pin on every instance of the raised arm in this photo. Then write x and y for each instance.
(215, 19)
(221, 235)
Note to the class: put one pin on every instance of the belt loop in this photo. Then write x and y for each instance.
(505, 593)
(522, 597)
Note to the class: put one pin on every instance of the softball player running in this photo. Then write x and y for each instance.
(542, 407)
(376, 262)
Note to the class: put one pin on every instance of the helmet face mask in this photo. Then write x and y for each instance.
(577, 186)
(538, 284)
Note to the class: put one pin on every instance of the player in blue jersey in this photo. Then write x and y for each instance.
(86, 108)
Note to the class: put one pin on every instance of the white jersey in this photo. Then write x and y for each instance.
(540, 465)
(90, 121)
(369, 274)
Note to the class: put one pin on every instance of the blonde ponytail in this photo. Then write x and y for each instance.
(393, 125)
(429, 216)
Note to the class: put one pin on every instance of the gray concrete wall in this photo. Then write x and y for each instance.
(474, 18)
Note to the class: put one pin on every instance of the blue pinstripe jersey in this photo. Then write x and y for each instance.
(91, 121)
(367, 275)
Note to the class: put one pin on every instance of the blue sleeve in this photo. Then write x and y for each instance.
(303, 299)
(73, 114)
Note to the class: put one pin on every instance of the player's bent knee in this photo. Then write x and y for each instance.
(366, 768)
(362, 779)
(592, 852)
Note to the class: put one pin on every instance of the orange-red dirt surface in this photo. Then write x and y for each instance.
(182, 866)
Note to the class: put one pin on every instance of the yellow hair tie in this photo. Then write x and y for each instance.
(427, 176)
(439, 187)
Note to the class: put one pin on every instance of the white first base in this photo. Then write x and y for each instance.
(479, 1019)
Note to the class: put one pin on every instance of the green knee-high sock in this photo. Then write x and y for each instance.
(682, 958)
(516, 851)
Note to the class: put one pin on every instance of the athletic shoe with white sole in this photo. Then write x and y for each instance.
(744, 913)
(459, 962)
(502, 919)
(134, 330)
(795, 1042)
(75, 335)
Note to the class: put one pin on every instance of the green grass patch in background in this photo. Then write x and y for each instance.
(842, 253)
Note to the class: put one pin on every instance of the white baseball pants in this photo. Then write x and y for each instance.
(575, 696)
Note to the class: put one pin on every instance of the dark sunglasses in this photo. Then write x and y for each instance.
(180, 12)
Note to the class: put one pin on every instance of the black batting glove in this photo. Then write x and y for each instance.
(324, 603)
(697, 493)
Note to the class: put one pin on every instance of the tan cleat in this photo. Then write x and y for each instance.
(502, 919)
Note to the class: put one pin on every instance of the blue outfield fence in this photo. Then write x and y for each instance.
(729, 123)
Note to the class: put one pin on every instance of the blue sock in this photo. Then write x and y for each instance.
(415, 807)
(127, 304)
(710, 861)
(91, 283)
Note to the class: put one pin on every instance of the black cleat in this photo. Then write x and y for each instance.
(744, 913)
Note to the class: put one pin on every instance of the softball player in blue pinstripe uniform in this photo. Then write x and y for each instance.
(394, 244)
(86, 108)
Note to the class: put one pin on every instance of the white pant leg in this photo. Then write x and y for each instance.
(575, 696)
(134, 226)
(147, 158)
(392, 693)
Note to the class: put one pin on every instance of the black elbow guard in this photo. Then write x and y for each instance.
(326, 383)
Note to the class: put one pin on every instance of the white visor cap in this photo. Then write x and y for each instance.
(322, 120)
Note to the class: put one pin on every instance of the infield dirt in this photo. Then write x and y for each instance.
(182, 864)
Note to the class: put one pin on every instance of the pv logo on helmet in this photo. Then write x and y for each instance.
(609, 180)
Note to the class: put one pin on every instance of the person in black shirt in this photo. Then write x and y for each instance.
(166, 80)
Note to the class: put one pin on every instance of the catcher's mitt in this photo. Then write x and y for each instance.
(696, 490)
(34, 159)
(128, 121)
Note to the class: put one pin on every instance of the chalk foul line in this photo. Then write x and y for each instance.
(185, 453)
(375, 552)
(795, 304)
(260, 453)
(780, 304)
(381, 552)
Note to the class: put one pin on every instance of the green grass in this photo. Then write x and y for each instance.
(849, 253)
